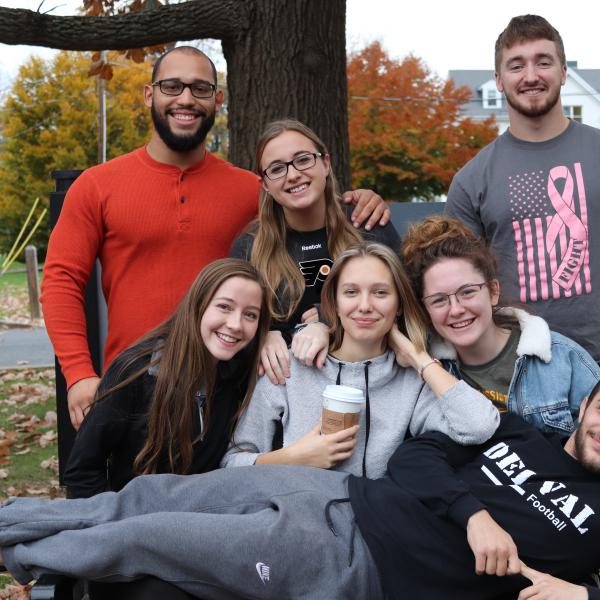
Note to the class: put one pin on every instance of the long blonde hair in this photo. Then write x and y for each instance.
(281, 273)
(412, 321)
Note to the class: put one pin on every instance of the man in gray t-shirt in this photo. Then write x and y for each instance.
(533, 192)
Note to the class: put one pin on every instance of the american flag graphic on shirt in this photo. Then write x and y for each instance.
(549, 218)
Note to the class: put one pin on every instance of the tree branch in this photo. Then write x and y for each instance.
(197, 19)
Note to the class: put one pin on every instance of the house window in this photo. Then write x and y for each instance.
(574, 112)
(492, 99)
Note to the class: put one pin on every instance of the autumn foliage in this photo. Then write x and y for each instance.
(49, 122)
(407, 134)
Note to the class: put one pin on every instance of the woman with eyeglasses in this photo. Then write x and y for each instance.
(378, 337)
(507, 353)
(301, 228)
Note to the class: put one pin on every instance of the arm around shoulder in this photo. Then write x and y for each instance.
(254, 432)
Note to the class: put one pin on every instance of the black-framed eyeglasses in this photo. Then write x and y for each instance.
(174, 87)
(277, 170)
(463, 294)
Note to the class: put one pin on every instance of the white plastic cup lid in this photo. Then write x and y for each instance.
(344, 393)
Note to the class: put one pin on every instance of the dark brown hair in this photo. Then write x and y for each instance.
(185, 365)
(412, 321)
(527, 27)
(437, 238)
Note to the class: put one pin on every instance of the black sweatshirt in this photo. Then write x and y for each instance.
(414, 520)
(308, 249)
(115, 430)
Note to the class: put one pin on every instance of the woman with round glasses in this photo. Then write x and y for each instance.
(301, 229)
(507, 353)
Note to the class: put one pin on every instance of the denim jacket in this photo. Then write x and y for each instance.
(552, 375)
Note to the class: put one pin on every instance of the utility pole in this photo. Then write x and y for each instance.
(100, 86)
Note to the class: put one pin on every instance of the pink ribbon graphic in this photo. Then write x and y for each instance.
(574, 255)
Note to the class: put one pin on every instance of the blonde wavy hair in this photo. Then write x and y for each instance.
(412, 321)
(279, 270)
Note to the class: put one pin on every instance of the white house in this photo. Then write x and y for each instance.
(580, 95)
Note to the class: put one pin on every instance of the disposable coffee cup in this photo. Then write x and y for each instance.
(341, 408)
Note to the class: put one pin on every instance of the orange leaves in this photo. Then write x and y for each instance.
(137, 55)
(101, 66)
(407, 136)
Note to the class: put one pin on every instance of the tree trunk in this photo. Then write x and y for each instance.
(291, 62)
(284, 59)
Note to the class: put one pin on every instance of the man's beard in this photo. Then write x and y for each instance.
(536, 110)
(586, 461)
(182, 143)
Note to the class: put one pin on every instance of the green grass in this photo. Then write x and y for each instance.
(25, 398)
(13, 280)
(14, 296)
(10, 279)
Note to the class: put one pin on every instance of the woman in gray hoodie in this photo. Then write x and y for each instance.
(378, 345)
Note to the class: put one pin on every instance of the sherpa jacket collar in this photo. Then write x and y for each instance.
(535, 338)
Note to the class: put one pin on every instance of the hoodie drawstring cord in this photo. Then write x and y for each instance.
(331, 526)
(367, 410)
(367, 418)
(339, 375)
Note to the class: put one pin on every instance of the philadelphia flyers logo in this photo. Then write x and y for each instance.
(315, 270)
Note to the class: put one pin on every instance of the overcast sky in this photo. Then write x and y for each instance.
(447, 35)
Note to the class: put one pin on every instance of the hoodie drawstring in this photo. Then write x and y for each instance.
(367, 410)
(339, 375)
(331, 526)
(367, 418)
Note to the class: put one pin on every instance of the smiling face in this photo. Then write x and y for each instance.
(183, 122)
(231, 318)
(584, 445)
(301, 194)
(367, 305)
(531, 75)
(467, 326)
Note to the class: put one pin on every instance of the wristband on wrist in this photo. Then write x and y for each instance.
(433, 361)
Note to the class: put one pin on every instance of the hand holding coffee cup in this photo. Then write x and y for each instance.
(322, 451)
(341, 408)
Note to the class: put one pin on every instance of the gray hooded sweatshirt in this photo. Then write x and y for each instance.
(397, 402)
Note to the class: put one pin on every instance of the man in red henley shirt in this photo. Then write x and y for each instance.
(154, 217)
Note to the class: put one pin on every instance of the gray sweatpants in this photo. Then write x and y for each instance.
(249, 532)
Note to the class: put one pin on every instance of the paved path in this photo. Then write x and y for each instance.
(25, 347)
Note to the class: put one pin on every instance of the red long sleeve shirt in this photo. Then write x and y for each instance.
(153, 227)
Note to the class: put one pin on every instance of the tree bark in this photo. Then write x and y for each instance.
(290, 63)
(177, 22)
(284, 59)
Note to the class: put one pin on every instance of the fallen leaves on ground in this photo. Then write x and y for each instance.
(14, 306)
(24, 392)
(50, 463)
(22, 431)
(16, 592)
